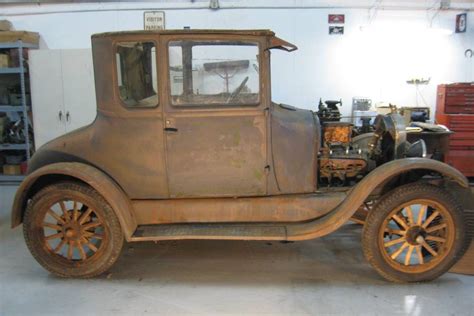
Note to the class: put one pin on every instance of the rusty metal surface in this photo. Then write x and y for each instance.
(341, 167)
(294, 145)
(116, 146)
(161, 164)
(276, 42)
(337, 133)
(308, 229)
(228, 231)
(85, 173)
(212, 155)
(262, 32)
(281, 208)
(362, 190)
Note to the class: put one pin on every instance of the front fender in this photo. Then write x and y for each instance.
(358, 194)
(98, 180)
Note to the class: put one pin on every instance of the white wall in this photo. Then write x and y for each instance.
(394, 46)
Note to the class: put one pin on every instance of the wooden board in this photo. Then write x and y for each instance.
(13, 36)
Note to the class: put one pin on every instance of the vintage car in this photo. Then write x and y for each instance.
(187, 144)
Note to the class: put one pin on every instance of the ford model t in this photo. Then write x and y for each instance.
(187, 144)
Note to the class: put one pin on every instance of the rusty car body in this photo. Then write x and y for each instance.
(186, 163)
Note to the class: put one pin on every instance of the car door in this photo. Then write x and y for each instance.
(215, 120)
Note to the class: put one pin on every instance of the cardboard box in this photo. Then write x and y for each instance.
(4, 60)
(11, 170)
(13, 36)
(5, 25)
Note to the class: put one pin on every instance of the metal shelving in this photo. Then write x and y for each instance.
(14, 146)
(11, 70)
(21, 109)
(13, 108)
(11, 179)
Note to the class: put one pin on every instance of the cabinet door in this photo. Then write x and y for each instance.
(46, 95)
(78, 88)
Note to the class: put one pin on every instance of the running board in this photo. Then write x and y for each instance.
(222, 231)
(313, 228)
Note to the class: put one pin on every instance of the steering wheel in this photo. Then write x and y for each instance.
(237, 91)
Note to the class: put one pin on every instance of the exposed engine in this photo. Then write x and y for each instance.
(344, 160)
(339, 160)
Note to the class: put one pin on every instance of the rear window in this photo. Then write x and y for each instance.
(136, 74)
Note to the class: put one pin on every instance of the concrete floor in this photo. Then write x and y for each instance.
(325, 276)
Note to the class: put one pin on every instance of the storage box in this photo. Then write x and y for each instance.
(5, 25)
(11, 170)
(4, 60)
(13, 36)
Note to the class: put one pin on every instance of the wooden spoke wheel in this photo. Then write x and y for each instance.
(417, 235)
(72, 231)
(414, 233)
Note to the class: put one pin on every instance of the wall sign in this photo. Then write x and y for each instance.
(153, 20)
(336, 18)
(336, 30)
(461, 23)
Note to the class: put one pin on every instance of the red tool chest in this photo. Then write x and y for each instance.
(455, 109)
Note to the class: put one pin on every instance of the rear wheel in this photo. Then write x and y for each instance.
(414, 233)
(72, 231)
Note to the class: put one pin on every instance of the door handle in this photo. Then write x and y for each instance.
(60, 115)
(171, 129)
(67, 116)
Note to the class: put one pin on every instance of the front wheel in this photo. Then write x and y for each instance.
(414, 233)
(72, 231)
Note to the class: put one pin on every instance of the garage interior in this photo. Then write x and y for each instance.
(355, 60)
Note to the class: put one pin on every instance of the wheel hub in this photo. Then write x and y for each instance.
(70, 233)
(72, 228)
(77, 230)
(415, 235)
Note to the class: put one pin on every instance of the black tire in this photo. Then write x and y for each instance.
(93, 232)
(378, 233)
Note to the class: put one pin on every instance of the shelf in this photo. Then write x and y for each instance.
(16, 45)
(20, 74)
(11, 70)
(13, 146)
(12, 108)
(11, 179)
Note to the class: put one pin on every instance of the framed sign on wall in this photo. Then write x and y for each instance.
(153, 20)
(336, 30)
(461, 23)
(336, 19)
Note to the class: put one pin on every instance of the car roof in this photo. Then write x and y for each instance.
(262, 32)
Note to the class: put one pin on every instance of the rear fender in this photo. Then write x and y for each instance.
(98, 180)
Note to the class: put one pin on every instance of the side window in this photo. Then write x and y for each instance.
(136, 74)
(214, 73)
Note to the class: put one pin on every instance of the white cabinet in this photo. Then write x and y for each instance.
(62, 92)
